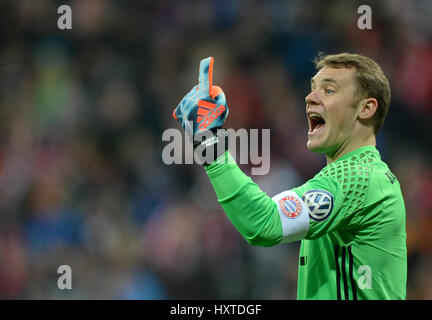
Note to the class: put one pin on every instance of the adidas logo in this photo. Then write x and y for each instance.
(207, 113)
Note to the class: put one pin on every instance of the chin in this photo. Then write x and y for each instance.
(312, 145)
(315, 147)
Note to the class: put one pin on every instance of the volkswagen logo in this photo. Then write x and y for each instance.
(319, 203)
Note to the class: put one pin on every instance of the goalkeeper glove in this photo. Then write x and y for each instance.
(202, 112)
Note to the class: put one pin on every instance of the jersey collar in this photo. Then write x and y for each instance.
(358, 151)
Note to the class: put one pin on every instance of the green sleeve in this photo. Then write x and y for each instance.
(251, 211)
(332, 217)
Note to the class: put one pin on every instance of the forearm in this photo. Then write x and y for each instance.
(261, 220)
(251, 211)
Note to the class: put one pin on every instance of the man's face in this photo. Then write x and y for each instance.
(329, 108)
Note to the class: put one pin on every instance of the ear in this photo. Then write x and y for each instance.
(368, 108)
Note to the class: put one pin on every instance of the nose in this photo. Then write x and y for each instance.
(312, 98)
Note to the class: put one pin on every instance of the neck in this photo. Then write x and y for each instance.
(349, 146)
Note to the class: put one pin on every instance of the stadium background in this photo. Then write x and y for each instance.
(82, 181)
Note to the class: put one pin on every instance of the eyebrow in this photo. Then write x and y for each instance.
(325, 80)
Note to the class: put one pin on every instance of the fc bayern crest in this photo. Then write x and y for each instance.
(319, 204)
(290, 206)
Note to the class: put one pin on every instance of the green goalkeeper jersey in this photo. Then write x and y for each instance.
(357, 249)
(350, 218)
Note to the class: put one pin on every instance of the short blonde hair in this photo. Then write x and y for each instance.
(371, 81)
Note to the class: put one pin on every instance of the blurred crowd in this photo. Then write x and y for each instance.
(82, 181)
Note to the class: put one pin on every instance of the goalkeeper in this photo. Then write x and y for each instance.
(350, 217)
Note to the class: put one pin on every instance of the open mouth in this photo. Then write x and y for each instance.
(316, 123)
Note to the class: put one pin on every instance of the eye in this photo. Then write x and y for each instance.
(328, 91)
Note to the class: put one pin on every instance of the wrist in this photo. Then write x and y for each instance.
(210, 145)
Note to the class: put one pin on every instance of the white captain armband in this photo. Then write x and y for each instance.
(294, 216)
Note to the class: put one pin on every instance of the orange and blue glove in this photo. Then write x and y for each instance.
(204, 110)
(204, 107)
